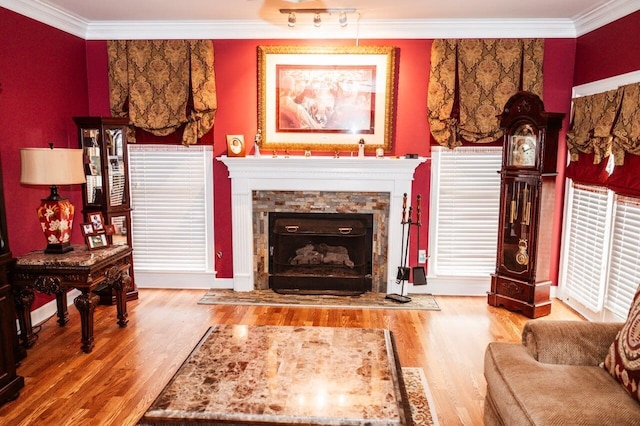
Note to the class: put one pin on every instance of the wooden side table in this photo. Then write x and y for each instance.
(81, 269)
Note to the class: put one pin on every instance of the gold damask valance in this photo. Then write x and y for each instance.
(591, 124)
(472, 79)
(606, 123)
(163, 84)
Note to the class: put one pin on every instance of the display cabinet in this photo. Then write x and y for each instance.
(521, 281)
(104, 142)
(10, 351)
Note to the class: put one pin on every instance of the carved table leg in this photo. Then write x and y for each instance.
(51, 285)
(120, 282)
(61, 302)
(23, 300)
(86, 304)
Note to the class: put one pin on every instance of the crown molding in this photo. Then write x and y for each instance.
(605, 84)
(604, 14)
(380, 29)
(415, 29)
(47, 14)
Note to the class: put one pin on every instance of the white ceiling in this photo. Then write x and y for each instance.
(129, 19)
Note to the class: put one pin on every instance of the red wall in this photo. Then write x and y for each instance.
(609, 51)
(43, 85)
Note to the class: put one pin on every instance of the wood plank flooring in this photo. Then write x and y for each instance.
(118, 381)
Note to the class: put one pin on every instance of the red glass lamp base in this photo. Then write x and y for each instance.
(56, 218)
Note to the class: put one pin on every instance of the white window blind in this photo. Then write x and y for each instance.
(465, 205)
(624, 273)
(587, 245)
(171, 196)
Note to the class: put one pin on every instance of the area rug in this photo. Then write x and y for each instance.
(270, 298)
(293, 375)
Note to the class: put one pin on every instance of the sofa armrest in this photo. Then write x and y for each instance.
(569, 342)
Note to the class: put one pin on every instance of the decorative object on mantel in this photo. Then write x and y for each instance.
(319, 97)
(371, 300)
(235, 146)
(379, 152)
(361, 148)
(49, 166)
(256, 143)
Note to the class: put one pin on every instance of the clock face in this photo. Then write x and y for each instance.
(523, 147)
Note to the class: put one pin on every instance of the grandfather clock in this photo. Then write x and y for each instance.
(527, 193)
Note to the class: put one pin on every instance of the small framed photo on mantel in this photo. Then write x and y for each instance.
(235, 146)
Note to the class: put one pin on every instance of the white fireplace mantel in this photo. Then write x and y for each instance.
(298, 173)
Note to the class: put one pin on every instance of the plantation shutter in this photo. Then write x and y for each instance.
(587, 249)
(624, 274)
(466, 184)
(171, 193)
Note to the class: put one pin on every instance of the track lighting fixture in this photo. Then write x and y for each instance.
(342, 20)
(317, 18)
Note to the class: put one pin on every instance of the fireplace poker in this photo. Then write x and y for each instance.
(403, 269)
(419, 275)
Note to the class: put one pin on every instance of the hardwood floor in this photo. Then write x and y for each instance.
(118, 381)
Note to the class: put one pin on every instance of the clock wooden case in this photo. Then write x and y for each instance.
(521, 281)
(106, 191)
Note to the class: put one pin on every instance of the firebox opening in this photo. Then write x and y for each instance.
(319, 253)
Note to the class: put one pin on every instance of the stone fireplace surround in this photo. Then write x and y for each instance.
(297, 175)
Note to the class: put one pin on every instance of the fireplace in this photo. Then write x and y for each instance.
(320, 252)
(261, 185)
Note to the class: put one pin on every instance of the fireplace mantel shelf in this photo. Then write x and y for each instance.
(267, 165)
(320, 173)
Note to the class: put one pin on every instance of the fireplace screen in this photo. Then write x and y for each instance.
(320, 253)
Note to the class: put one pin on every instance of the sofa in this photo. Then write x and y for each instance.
(558, 376)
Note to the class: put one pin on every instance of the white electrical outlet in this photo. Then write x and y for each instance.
(422, 256)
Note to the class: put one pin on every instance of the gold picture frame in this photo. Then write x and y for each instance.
(326, 98)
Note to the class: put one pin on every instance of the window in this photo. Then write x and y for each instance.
(171, 197)
(463, 228)
(599, 271)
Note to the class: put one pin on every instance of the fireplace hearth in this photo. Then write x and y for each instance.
(320, 252)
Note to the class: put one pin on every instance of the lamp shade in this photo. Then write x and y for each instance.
(46, 166)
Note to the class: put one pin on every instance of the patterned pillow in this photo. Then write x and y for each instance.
(623, 359)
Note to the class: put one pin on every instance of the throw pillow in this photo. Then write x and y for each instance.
(623, 359)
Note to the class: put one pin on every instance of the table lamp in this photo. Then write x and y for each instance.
(49, 166)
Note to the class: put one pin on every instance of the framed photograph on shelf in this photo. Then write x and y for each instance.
(97, 220)
(87, 229)
(326, 98)
(97, 241)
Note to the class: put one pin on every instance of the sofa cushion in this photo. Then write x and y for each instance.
(623, 359)
(527, 392)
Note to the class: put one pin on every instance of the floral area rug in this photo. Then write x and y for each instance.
(420, 399)
(271, 298)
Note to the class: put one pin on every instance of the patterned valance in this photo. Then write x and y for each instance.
(162, 84)
(472, 79)
(592, 121)
(606, 123)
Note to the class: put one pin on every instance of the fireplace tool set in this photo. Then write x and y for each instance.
(419, 275)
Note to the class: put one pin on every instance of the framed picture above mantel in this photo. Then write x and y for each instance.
(326, 98)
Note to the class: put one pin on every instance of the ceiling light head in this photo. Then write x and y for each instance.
(317, 20)
(342, 20)
(292, 19)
